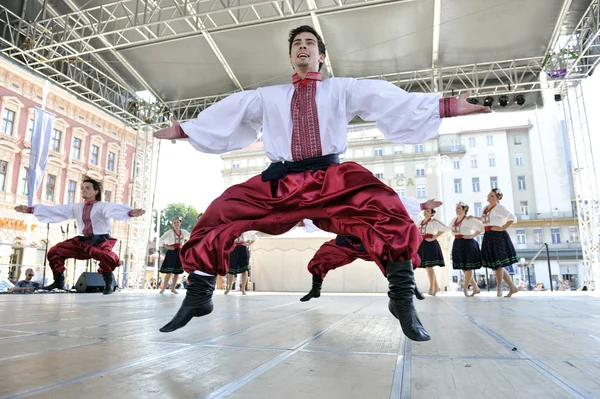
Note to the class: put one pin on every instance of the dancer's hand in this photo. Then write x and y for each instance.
(465, 108)
(22, 209)
(136, 212)
(171, 133)
(432, 204)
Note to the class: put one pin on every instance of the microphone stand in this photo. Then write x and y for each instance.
(46, 253)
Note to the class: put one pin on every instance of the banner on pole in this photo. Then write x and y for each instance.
(40, 145)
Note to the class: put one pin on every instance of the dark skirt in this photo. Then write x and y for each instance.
(497, 250)
(466, 254)
(239, 260)
(172, 263)
(431, 254)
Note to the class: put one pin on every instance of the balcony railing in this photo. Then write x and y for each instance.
(455, 149)
(547, 215)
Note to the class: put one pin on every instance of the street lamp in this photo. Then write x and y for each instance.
(439, 163)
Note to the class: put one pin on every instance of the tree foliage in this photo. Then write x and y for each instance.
(188, 214)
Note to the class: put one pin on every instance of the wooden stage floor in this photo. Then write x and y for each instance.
(535, 345)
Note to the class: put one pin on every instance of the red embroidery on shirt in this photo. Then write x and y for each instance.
(306, 135)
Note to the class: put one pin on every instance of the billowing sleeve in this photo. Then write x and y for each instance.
(166, 239)
(402, 117)
(186, 234)
(116, 211)
(504, 212)
(412, 205)
(231, 124)
(476, 225)
(53, 214)
(441, 227)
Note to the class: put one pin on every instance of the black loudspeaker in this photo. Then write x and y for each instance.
(558, 97)
(91, 282)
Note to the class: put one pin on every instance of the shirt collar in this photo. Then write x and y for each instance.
(309, 76)
(92, 202)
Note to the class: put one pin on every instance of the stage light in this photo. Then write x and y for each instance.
(520, 99)
(489, 100)
(472, 100)
(503, 100)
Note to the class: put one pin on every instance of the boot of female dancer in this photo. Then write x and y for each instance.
(197, 301)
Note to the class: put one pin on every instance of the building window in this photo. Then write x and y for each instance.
(521, 181)
(457, 186)
(398, 171)
(419, 148)
(524, 208)
(107, 196)
(55, 140)
(521, 239)
(456, 164)
(3, 167)
(71, 187)
(94, 157)
(573, 234)
(24, 181)
(378, 152)
(477, 208)
(538, 236)
(8, 121)
(379, 175)
(50, 184)
(490, 140)
(492, 160)
(517, 140)
(111, 162)
(472, 142)
(519, 159)
(401, 193)
(235, 165)
(398, 150)
(76, 148)
(421, 192)
(473, 161)
(455, 145)
(493, 182)
(555, 235)
(420, 172)
(475, 181)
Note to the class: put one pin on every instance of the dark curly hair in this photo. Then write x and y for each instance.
(97, 186)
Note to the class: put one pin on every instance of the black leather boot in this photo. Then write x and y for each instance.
(108, 283)
(402, 288)
(59, 282)
(197, 301)
(315, 291)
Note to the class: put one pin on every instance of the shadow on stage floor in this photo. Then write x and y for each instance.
(263, 345)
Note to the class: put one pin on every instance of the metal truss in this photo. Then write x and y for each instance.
(585, 179)
(577, 57)
(491, 78)
(129, 23)
(79, 76)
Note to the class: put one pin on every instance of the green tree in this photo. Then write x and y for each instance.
(188, 214)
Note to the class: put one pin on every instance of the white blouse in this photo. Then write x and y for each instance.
(247, 236)
(101, 215)
(433, 227)
(170, 238)
(467, 227)
(234, 122)
(498, 216)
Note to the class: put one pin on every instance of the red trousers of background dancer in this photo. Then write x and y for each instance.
(77, 249)
(347, 198)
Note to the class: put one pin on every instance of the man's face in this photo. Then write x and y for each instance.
(305, 52)
(87, 191)
(28, 274)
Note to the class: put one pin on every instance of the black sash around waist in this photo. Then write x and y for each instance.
(278, 170)
(95, 239)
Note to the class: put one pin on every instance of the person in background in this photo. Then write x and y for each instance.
(26, 285)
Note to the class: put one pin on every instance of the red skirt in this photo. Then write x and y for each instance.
(344, 199)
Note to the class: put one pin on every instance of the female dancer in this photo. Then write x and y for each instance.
(429, 250)
(172, 240)
(497, 249)
(239, 261)
(465, 250)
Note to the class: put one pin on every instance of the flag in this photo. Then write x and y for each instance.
(40, 144)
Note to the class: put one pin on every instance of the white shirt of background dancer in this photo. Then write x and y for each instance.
(498, 216)
(467, 227)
